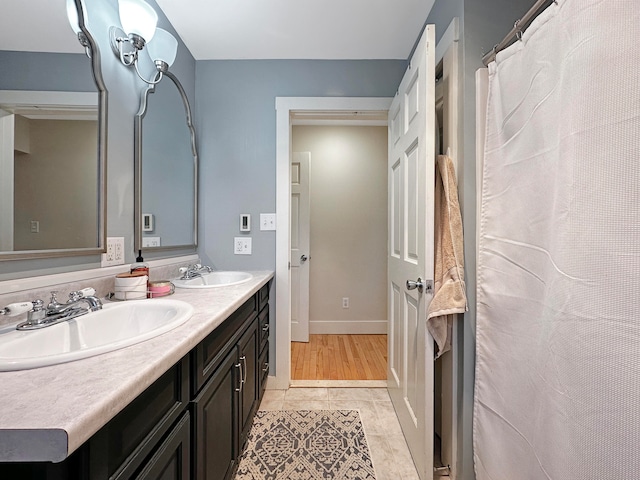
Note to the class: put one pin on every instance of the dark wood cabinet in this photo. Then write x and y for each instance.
(191, 423)
(215, 411)
(225, 407)
(250, 392)
(118, 451)
(172, 459)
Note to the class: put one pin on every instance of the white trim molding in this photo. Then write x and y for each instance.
(285, 106)
(350, 327)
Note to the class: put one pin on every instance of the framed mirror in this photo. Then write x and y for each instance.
(166, 169)
(52, 145)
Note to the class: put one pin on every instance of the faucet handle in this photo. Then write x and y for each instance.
(82, 293)
(14, 309)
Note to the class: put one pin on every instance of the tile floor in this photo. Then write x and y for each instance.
(387, 445)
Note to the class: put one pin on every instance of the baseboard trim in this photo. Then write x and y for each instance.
(348, 327)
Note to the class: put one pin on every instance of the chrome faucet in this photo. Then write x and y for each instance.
(80, 302)
(193, 271)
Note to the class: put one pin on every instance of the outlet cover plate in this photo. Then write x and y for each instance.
(242, 245)
(115, 252)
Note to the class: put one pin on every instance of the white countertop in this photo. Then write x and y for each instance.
(47, 413)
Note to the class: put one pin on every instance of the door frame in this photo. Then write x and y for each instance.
(285, 107)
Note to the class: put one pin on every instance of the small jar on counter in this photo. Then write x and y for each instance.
(160, 288)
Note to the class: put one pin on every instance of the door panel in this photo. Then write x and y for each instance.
(300, 211)
(410, 257)
(396, 367)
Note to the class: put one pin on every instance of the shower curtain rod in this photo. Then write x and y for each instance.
(516, 31)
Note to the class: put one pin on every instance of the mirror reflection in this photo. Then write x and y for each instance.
(167, 162)
(54, 190)
(51, 186)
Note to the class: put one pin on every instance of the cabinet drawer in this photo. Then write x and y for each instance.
(210, 352)
(263, 296)
(172, 459)
(263, 326)
(119, 448)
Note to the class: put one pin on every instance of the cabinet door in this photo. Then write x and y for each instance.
(263, 371)
(249, 398)
(216, 422)
(172, 459)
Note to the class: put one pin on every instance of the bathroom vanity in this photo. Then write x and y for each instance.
(178, 406)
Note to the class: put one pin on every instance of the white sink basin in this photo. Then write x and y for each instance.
(116, 326)
(214, 279)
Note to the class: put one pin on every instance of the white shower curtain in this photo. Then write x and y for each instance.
(557, 391)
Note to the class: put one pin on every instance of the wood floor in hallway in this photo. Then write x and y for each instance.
(340, 357)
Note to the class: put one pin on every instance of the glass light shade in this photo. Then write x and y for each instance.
(164, 47)
(72, 15)
(138, 17)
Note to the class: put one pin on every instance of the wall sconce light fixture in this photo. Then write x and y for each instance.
(138, 30)
(74, 21)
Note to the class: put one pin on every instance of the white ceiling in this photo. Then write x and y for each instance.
(245, 29)
(298, 29)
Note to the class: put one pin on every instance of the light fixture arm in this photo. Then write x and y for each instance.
(158, 75)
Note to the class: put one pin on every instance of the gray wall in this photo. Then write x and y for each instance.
(236, 125)
(62, 72)
(32, 71)
(348, 197)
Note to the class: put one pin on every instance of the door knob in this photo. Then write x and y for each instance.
(303, 258)
(419, 284)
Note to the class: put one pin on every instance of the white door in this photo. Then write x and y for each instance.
(411, 185)
(300, 211)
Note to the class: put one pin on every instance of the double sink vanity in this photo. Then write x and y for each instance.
(146, 389)
(175, 404)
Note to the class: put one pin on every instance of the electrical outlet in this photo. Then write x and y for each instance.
(267, 221)
(242, 245)
(115, 252)
(35, 226)
(345, 302)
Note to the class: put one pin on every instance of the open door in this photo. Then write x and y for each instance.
(410, 257)
(300, 212)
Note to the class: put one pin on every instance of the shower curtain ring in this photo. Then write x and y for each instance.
(518, 29)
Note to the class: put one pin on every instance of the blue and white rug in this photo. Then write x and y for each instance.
(306, 445)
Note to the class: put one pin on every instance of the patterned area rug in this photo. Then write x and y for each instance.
(306, 445)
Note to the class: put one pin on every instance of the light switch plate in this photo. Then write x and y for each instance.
(267, 221)
(150, 242)
(242, 245)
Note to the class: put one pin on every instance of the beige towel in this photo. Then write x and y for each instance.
(449, 289)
